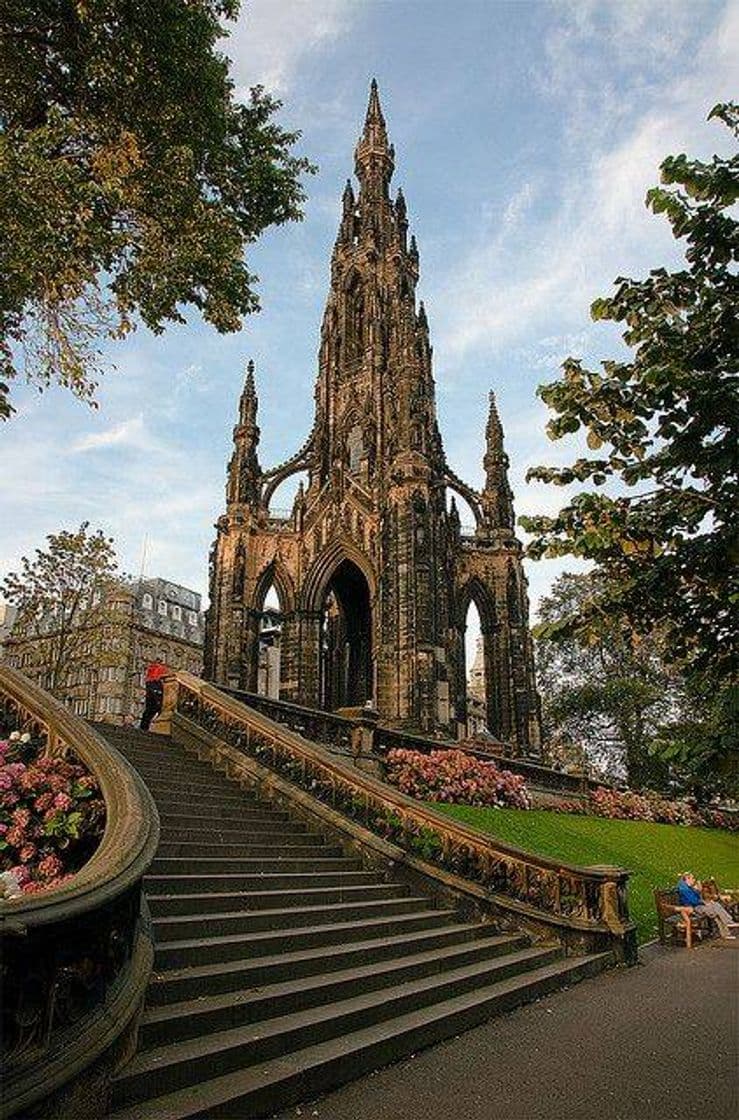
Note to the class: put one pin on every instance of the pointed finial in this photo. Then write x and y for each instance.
(248, 403)
(497, 496)
(494, 429)
(374, 109)
(422, 319)
(400, 207)
(413, 248)
(374, 157)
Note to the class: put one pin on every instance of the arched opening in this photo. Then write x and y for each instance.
(465, 512)
(345, 677)
(476, 687)
(474, 674)
(268, 645)
(282, 498)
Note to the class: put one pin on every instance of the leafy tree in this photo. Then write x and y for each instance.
(64, 607)
(665, 423)
(602, 687)
(699, 745)
(131, 179)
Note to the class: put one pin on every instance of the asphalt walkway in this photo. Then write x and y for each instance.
(655, 1042)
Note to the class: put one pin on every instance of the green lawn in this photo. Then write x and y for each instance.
(654, 853)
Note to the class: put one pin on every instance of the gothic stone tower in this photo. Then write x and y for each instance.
(373, 572)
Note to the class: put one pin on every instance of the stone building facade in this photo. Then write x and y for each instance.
(373, 572)
(139, 622)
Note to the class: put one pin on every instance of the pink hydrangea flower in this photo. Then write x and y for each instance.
(63, 802)
(50, 867)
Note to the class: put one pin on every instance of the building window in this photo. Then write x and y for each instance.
(176, 612)
(192, 618)
(162, 607)
(147, 601)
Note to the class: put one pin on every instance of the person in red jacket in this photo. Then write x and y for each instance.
(155, 675)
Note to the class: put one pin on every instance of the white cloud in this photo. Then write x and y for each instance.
(129, 432)
(270, 39)
(534, 271)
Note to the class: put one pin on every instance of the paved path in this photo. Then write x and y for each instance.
(656, 1042)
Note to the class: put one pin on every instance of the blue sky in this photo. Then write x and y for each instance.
(526, 135)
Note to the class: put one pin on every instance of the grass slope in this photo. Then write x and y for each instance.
(654, 853)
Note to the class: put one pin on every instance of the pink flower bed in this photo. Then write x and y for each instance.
(624, 805)
(455, 777)
(51, 815)
(461, 779)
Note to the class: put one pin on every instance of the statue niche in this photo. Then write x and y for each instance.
(355, 319)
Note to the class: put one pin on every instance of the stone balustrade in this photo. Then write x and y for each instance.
(585, 907)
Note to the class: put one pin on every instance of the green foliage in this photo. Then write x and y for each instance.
(62, 825)
(656, 854)
(666, 424)
(699, 746)
(601, 685)
(131, 179)
(64, 608)
(426, 844)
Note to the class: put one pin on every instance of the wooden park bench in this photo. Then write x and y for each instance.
(677, 923)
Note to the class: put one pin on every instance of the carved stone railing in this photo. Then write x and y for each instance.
(341, 733)
(331, 730)
(589, 903)
(76, 959)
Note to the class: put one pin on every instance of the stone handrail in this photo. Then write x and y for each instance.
(76, 959)
(587, 899)
(338, 732)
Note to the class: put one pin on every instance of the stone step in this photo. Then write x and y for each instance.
(230, 923)
(165, 794)
(262, 832)
(297, 848)
(213, 902)
(170, 772)
(235, 864)
(178, 984)
(231, 1051)
(153, 763)
(261, 1090)
(201, 950)
(245, 813)
(297, 884)
(162, 1026)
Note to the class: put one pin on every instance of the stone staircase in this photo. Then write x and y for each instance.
(282, 967)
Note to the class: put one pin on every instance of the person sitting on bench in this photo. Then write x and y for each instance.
(689, 895)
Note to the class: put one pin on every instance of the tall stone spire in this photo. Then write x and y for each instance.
(497, 497)
(244, 472)
(372, 571)
(248, 403)
(374, 156)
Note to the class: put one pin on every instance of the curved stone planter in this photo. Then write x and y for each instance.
(76, 959)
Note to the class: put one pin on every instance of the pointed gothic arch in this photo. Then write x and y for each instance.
(339, 594)
(319, 575)
(477, 591)
(275, 574)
